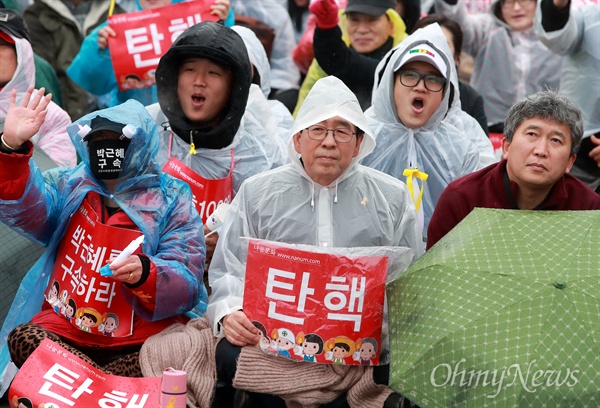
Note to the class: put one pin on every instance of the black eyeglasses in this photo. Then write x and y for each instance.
(341, 135)
(433, 83)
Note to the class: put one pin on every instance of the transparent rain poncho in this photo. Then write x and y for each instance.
(275, 117)
(438, 149)
(579, 42)
(52, 137)
(362, 208)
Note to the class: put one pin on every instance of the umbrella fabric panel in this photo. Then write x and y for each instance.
(493, 317)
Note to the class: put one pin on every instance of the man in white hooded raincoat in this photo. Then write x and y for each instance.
(510, 62)
(272, 114)
(324, 197)
(429, 143)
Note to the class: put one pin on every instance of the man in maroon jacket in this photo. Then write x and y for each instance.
(542, 134)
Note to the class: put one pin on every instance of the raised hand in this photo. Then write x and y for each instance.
(220, 9)
(24, 121)
(326, 13)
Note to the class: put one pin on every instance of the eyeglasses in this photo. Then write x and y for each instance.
(433, 83)
(341, 135)
(511, 3)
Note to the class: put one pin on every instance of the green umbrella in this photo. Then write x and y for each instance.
(503, 312)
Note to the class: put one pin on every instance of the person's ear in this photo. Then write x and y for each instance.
(570, 163)
(505, 145)
(296, 138)
(359, 140)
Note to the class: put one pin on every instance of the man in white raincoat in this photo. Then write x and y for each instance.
(203, 82)
(407, 121)
(324, 197)
(275, 117)
(510, 62)
(575, 33)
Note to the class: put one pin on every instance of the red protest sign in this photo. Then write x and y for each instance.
(144, 36)
(54, 377)
(315, 307)
(76, 290)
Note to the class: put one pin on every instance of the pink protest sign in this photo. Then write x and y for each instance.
(144, 36)
(315, 307)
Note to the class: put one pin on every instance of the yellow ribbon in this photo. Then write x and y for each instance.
(410, 174)
(111, 8)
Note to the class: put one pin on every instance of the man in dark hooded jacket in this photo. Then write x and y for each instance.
(203, 82)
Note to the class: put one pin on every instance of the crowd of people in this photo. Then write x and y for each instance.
(354, 127)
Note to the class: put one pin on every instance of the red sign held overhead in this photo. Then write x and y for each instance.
(145, 36)
(315, 307)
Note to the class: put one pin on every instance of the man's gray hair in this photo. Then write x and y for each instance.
(546, 105)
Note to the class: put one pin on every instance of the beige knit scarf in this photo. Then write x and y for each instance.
(307, 385)
(190, 348)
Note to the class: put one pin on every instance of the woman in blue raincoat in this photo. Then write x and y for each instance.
(122, 193)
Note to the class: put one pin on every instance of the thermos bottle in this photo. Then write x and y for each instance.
(173, 389)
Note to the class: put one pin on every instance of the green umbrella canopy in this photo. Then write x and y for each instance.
(504, 311)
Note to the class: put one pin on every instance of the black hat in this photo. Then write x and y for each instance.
(373, 8)
(12, 23)
(99, 123)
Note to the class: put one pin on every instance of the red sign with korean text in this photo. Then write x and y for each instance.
(144, 36)
(53, 377)
(207, 194)
(76, 290)
(315, 307)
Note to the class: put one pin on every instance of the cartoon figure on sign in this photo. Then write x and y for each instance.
(311, 345)
(52, 296)
(110, 324)
(88, 318)
(284, 341)
(338, 349)
(265, 342)
(366, 351)
(23, 403)
(69, 309)
(62, 301)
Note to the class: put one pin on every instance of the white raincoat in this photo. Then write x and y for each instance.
(469, 126)
(438, 148)
(284, 72)
(579, 42)
(274, 116)
(52, 137)
(509, 64)
(363, 207)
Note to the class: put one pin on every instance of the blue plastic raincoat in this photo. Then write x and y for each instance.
(160, 205)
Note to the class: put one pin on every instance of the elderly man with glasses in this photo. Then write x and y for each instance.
(325, 198)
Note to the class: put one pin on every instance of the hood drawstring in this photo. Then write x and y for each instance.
(335, 197)
(312, 197)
